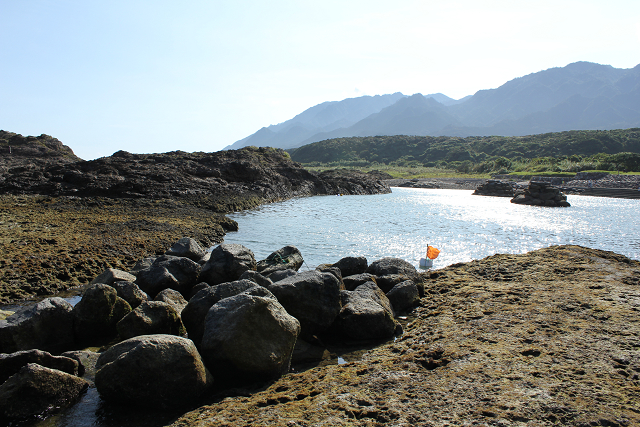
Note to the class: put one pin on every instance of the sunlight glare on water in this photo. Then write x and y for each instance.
(464, 227)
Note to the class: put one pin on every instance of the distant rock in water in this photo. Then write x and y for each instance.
(541, 194)
(495, 188)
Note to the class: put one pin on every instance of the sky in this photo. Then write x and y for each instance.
(156, 76)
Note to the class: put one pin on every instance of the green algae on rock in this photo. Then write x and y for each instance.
(551, 337)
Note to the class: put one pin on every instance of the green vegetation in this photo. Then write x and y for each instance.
(561, 154)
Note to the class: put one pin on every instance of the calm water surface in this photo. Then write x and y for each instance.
(464, 227)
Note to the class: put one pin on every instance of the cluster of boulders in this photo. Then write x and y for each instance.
(188, 318)
(495, 188)
(541, 194)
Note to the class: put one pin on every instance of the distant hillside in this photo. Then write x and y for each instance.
(582, 95)
(453, 152)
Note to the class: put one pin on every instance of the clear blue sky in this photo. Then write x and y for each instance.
(156, 76)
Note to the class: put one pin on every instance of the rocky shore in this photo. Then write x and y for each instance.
(64, 220)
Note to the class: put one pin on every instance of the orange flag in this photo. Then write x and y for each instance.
(432, 253)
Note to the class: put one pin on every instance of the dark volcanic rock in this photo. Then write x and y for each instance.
(169, 272)
(495, 188)
(97, 313)
(249, 338)
(12, 363)
(541, 194)
(47, 325)
(287, 258)
(152, 370)
(187, 247)
(151, 317)
(350, 266)
(223, 181)
(227, 263)
(38, 391)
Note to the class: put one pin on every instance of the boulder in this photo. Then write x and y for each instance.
(352, 282)
(151, 317)
(142, 264)
(332, 270)
(386, 283)
(152, 370)
(287, 258)
(256, 277)
(312, 297)
(131, 293)
(248, 338)
(188, 248)
(227, 263)
(36, 391)
(197, 288)
(388, 266)
(173, 298)
(197, 308)
(47, 325)
(366, 314)
(403, 296)
(167, 271)
(276, 276)
(11, 363)
(350, 266)
(97, 313)
(111, 275)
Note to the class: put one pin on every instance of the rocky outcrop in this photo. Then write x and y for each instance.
(366, 314)
(495, 188)
(541, 194)
(223, 181)
(152, 370)
(350, 266)
(131, 293)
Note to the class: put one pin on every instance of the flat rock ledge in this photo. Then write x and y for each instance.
(551, 337)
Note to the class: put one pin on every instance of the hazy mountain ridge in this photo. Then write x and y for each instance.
(581, 95)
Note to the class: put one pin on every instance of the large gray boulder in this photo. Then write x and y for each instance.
(36, 391)
(388, 266)
(350, 266)
(167, 271)
(111, 275)
(142, 264)
(276, 276)
(188, 248)
(11, 363)
(403, 296)
(173, 298)
(366, 314)
(97, 313)
(196, 310)
(131, 293)
(312, 297)
(258, 278)
(352, 282)
(152, 370)
(287, 258)
(151, 317)
(227, 263)
(47, 325)
(248, 338)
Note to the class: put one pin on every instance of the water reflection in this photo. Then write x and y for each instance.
(463, 226)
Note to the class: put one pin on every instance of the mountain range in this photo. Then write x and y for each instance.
(579, 96)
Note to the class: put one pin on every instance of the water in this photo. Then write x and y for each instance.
(464, 227)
